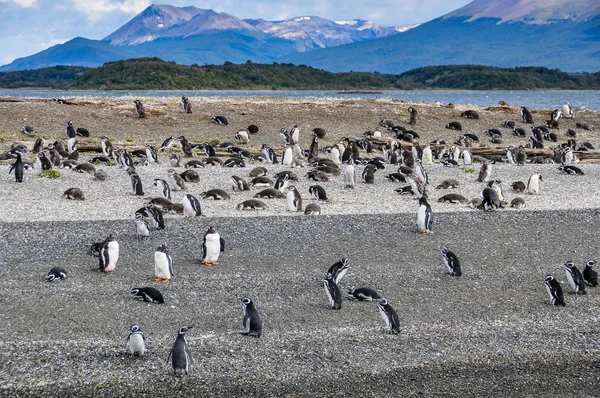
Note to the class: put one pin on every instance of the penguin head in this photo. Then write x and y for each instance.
(590, 263)
(549, 278)
(569, 264)
(345, 262)
(163, 248)
(69, 123)
(112, 236)
(445, 250)
(383, 301)
(184, 329)
(246, 300)
(134, 328)
(211, 230)
(135, 291)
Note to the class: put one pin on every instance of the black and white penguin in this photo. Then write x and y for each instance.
(261, 182)
(518, 203)
(339, 269)
(485, 172)
(136, 341)
(424, 217)
(590, 276)
(449, 183)
(212, 246)
(109, 254)
(414, 116)
(470, 114)
(453, 198)
(222, 120)
(567, 111)
(163, 264)
(154, 215)
(178, 184)
(252, 204)
(389, 316)
(556, 114)
(243, 136)
(38, 146)
(187, 105)
(270, 193)
(239, 183)
(190, 176)
(533, 184)
(251, 321)
(318, 192)
(44, 161)
(554, 291)
(312, 209)
(106, 145)
(151, 154)
(74, 194)
(148, 294)
(139, 108)
(454, 126)
(452, 262)
(180, 353)
(136, 182)
(167, 143)
(185, 145)
(363, 294)
(164, 191)
(489, 199)
(294, 200)
(571, 170)
(28, 130)
(526, 116)
(125, 159)
(333, 292)
(575, 278)
(191, 206)
(17, 166)
(216, 194)
(294, 135)
(142, 227)
(71, 133)
(368, 174)
(56, 274)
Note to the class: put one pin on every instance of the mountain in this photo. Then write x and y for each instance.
(503, 33)
(190, 35)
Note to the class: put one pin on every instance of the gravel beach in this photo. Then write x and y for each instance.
(490, 332)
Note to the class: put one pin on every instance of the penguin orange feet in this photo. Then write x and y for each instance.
(158, 279)
(215, 263)
(111, 272)
(424, 232)
(165, 280)
(208, 264)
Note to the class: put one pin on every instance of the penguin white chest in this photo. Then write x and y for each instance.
(162, 267)
(113, 255)
(427, 156)
(142, 228)
(136, 344)
(385, 318)
(213, 247)
(335, 156)
(287, 156)
(291, 201)
(422, 218)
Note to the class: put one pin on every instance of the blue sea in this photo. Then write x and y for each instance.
(535, 99)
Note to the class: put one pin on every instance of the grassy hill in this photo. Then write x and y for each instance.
(155, 74)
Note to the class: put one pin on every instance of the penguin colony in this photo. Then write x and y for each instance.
(402, 151)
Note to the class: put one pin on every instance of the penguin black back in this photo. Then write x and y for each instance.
(251, 321)
(180, 353)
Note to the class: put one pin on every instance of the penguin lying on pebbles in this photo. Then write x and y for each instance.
(74, 194)
(363, 294)
(453, 198)
(56, 274)
(216, 194)
(312, 209)
(148, 294)
(518, 203)
(252, 204)
(180, 353)
(136, 341)
(251, 321)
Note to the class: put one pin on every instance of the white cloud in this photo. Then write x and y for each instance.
(96, 9)
(22, 3)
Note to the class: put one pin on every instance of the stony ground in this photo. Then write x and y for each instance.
(485, 333)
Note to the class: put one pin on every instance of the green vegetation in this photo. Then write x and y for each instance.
(49, 174)
(468, 169)
(45, 77)
(155, 74)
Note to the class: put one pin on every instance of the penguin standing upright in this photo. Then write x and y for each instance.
(333, 292)
(485, 172)
(71, 133)
(414, 116)
(139, 108)
(191, 206)
(107, 147)
(575, 278)
(294, 200)
(44, 161)
(136, 182)
(389, 316)
(151, 154)
(109, 254)
(163, 264)
(554, 291)
(164, 191)
(180, 353)
(136, 341)
(294, 135)
(526, 116)
(567, 111)
(142, 226)
(427, 155)
(18, 168)
(349, 176)
(186, 147)
(339, 269)
(251, 321)
(212, 246)
(533, 184)
(187, 105)
(451, 261)
(177, 180)
(288, 156)
(424, 216)
(590, 276)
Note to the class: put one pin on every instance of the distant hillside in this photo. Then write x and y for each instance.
(43, 78)
(155, 74)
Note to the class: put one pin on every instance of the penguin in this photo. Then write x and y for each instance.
(590, 277)
(567, 111)
(243, 136)
(149, 294)
(239, 183)
(489, 199)
(136, 182)
(414, 116)
(390, 316)
(526, 115)
(397, 177)
(424, 217)
(252, 129)
(222, 120)
(125, 159)
(180, 353)
(575, 278)
(212, 246)
(167, 143)
(163, 264)
(190, 176)
(270, 193)
(555, 116)
(449, 183)
(209, 150)
(294, 135)
(28, 130)
(38, 146)
(338, 270)
(427, 155)
(518, 203)
(191, 206)
(216, 194)
(368, 174)
(533, 184)
(333, 292)
(109, 254)
(107, 147)
(139, 108)
(312, 209)
(74, 194)
(142, 227)
(234, 161)
(420, 172)
(288, 156)
(520, 156)
(510, 156)
(363, 294)
(318, 192)
(453, 198)
(186, 147)
(467, 157)
(470, 114)
(417, 187)
(56, 274)
(451, 261)
(252, 204)
(518, 186)
(17, 166)
(294, 200)
(178, 182)
(496, 185)
(136, 341)
(554, 291)
(261, 182)
(485, 172)
(335, 155)
(151, 154)
(454, 126)
(251, 320)
(71, 133)
(258, 172)
(164, 191)
(187, 105)
(194, 163)
(44, 161)
(313, 149)
(571, 170)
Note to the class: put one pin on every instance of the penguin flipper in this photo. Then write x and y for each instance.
(222, 242)
(170, 354)
(188, 354)
(170, 265)
(204, 249)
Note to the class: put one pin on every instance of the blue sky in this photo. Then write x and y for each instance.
(30, 26)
